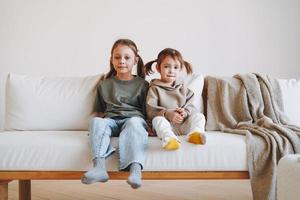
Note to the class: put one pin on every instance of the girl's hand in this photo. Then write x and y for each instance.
(98, 114)
(176, 118)
(182, 112)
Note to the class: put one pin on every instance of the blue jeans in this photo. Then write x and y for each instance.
(133, 138)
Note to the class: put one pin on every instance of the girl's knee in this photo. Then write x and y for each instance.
(158, 119)
(136, 125)
(98, 122)
(100, 119)
(95, 120)
(198, 117)
(135, 121)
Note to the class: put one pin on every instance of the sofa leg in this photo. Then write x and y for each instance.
(4, 190)
(24, 190)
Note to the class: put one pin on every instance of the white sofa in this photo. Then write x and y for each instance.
(46, 137)
(288, 177)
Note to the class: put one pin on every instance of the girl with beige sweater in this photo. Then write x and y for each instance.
(169, 102)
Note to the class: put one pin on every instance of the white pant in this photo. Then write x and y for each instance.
(164, 129)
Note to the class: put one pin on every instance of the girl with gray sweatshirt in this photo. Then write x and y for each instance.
(120, 112)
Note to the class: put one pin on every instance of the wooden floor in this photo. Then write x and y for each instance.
(156, 190)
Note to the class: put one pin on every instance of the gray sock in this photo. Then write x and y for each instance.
(135, 176)
(97, 174)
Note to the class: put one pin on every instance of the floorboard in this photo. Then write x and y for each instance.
(151, 189)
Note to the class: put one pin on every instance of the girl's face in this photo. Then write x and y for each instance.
(123, 60)
(169, 69)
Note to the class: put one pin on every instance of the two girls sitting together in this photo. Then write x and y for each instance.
(124, 101)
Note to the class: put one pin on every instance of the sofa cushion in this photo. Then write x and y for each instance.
(290, 89)
(49, 103)
(70, 151)
(195, 83)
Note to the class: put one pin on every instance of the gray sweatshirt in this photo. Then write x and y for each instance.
(162, 99)
(117, 98)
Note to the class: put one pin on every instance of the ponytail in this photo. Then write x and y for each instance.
(148, 67)
(112, 72)
(140, 67)
(188, 67)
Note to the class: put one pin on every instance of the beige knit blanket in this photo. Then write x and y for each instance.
(251, 105)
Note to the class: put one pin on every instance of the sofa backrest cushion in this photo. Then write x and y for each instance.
(195, 83)
(49, 103)
(291, 97)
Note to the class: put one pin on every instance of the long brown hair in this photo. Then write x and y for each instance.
(168, 52)
(133, 47)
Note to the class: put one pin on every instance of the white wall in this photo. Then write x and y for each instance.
(73, 37)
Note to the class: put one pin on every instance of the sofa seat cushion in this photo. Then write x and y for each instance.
(70, 151)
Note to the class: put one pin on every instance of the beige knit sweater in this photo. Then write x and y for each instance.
(163, 99)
